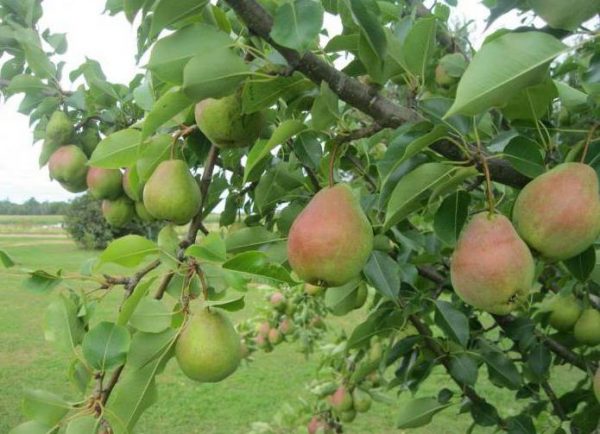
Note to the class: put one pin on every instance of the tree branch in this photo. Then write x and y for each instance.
(558, 410)
(369, 101)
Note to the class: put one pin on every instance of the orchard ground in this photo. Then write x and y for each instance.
(254, 393)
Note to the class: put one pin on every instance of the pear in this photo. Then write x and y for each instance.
(172, 193)
(492, 268)
(48, 148)
(341, 400)
(208, 349)
(59, 128)
(222, 121)
(564, 312)
(361, 400)
(286, 326)
(597, 384)
(142, 212)
(104, 183)
(278, 301)
(587, 327)
(558, 213)
(348, 415)
(361, 295)
(68, 166)
(89, 139)
(118, 212)
(331, 239)
(316, 425)
(275, 336)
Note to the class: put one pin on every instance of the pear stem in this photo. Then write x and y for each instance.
(587, 142)
(332, 163)
(486, 172)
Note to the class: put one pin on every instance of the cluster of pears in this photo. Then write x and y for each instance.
(208, 349)
(330, 240)
(566, 314)
(557, 214)
(270, 333)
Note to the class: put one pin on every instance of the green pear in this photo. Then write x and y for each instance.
(341, 400)
(142, 212)
(104, 183)
(492, 268)
(558, 213)
(68, 166)
(597, 384)
(118, 212)
(587, 327)
(48, 149)
(133, 192)
(59, 128)
(361, 295)
(347, 416)
(172, 193)
(442, 77)
(564, 312)
(222, 121)
(362, 400)
(208, 349)
(313, 290)
(331, 239)
(89, 139)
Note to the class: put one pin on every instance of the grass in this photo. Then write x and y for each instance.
(254, 393)
(31, 224)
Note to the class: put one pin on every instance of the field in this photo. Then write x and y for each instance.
(254, 393)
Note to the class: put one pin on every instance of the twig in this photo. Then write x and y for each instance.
(164, 283)
(587, 142)
(356, 163)
(560, 412)
(111, 384)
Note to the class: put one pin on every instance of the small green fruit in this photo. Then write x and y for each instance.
(89, 139)
(118, 212)
(347, 416)
(564, 312)
(362, 400)
(208, 349)
(587, 327)
(59, 128)
(442, 78)
(172, 193)
(104, 183)
(361, 296)
(341, 400)
(313, 290)
(222, 121)
(68, 166)
(383, 243)
(142, 212)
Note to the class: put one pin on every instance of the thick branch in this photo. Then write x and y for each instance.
(366, 99)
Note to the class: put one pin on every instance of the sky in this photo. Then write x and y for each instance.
(112, 42)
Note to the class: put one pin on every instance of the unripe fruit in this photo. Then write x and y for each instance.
(133, 194)
(286, 326)
(347, 416)
(89, 140)
(48, 148)
(208, 349)
(442, 77)
(278, 301)
(222, 121)
(275, 336)
(361, 399)
(331, 239)
(172, 193)
(68, 166)
(317, 322)
(361, 295)
(118, 212)
(318, 426)
(263, 328)
(104, 183)
(262, 342)
(558, 213)
(492, 268)
(383, 243)
(341, 400)
(142, 212)
(564, 312)
(587, 327)
(59, 129)
(313, 289)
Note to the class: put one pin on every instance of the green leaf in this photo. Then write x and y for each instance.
(172, 53)
(6, 260)
(418, 412)
(62, 325)
(297, 24)
(419, 45)
(342, 299)
(565, 15)
(451, 216)
(152, 153)
(250, 238)
(105, 346)
(130, 304)
(325, 110)
(169, 12)
(44, 407)
(501, 68)
(31, 427)
(464, 369)
(146, 347)
(210, 248)
(215, 79)
(582, 265)
(284, 131)
(256, 264)
(365, 14)
(150, 316)
(83, 425)
(231, 305)
(170, 104)
(41, 281)
(532, 103)
(117, 150)
(539, 360)
(452, 321)
(570, 97)
(382, 273)
(412, 189)
(27, 84)
(128, 251)
(525, 156)
(501, 369)
(262, 93)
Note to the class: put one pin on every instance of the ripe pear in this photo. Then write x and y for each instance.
(118, 212)
(558, 213)
(142, 212)
(222, 121)
(361, 400)
(341, 400)
(128, 188)
(331, 239)
(587, 327)
(104, 183)
(172, 193)
(59, 129)
(68, 166)
(492, 268)
(208, 349)
(564, 312)
(597, 384)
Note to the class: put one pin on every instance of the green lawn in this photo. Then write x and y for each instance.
(254, 393)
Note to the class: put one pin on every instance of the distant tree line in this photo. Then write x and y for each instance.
(33, 207)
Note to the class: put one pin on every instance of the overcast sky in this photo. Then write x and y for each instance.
(112, 42)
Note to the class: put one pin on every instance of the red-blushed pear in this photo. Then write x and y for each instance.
(172, 193)
(587, 327)
(275, 336)
(597, 384)
(68, 166)
(118, 212)
(278, 301)
(564, 312)
(104, 183)
(331, 239)
(286, 326)
(341, 400)
(222, 121)
(208, 349)
(492, 268)
(558, 213)
(318, 426)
